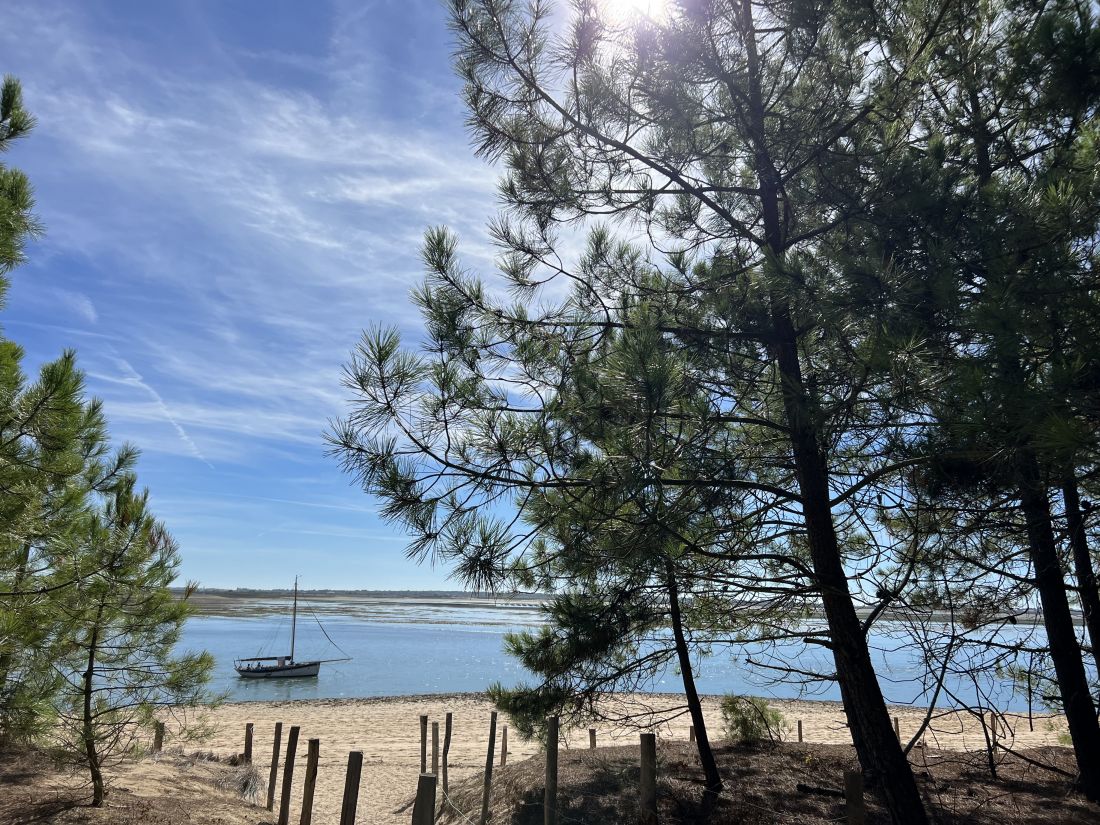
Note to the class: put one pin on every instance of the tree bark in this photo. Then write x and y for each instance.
(712, 778)
(1065, 652)
(1083, 570)
(88, 728)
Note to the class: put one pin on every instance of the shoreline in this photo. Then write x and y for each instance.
(386, 730)
(481, 695)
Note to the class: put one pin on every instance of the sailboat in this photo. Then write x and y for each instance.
(282, 667)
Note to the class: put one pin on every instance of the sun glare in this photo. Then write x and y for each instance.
(626, 10)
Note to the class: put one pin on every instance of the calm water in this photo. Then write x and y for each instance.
(405, 648)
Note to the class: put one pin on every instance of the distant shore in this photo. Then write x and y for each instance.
(224, 601)
(387, 731)
(215, 602)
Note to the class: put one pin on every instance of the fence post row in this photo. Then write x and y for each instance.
(247, 759)
(488, 768)
(647, 784)
(312, 756)
(853, 798)
(550, 795)
(351, 788)
(274, 766)
(288, 775)
(424, 807)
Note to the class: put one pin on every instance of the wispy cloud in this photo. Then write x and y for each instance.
(131, 377)
(77, 303)
(228, 204)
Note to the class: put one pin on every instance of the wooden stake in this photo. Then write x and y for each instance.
(691, 733)
(435, 749)
(423, 744)
(158, 737)
(799, 730)
(504, 746)
(351, 788)
(550, 794)
(897, 727)
(446, 751)
(424, 807)
(288, 776)
(489, 768)
(312, 755)
(248, 744)
(274, 766)
(647, 783)
(592, 739)
(853, 798)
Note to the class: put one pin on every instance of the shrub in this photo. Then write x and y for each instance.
(748, 719)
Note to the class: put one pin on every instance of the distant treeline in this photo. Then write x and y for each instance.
(254, 593)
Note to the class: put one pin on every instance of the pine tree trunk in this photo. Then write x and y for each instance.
(878, 749)
(879, 752)
(1065, 652)
(711, 776)
(88, 728)
(1082, 566)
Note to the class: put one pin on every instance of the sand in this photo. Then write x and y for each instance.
(387, 731)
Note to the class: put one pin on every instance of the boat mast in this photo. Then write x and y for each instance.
(294, 619)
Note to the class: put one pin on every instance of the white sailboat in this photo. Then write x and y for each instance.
(281, 667)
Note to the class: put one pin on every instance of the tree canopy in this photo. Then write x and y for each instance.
(838, 265)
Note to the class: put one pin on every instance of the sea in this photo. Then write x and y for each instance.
(404, 646)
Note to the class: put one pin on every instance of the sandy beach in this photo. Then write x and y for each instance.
(387, 731)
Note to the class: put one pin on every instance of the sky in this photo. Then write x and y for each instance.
(231, 193)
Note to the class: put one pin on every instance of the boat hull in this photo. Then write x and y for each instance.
(296, 670)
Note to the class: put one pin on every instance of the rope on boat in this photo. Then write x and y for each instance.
(331, 642)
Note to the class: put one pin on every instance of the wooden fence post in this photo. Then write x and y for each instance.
(424, 807)
(647, 784)
(550, 794)
(592, 739)
(799, 730)
(274, 766)
(853, 798)
(158, 737)
(312, 756)
(435, 749)
(488, 769)
(446, 751)
(504, 746)
(423, 744)
(691, 733)
(897, 727)
(351, 788)
(288, 775)
(248, 744)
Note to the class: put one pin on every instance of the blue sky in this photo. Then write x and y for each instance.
(231, 193)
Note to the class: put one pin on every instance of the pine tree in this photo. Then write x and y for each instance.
(735, 136)
(124, 626)
(1013, 122)
(53, 461)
